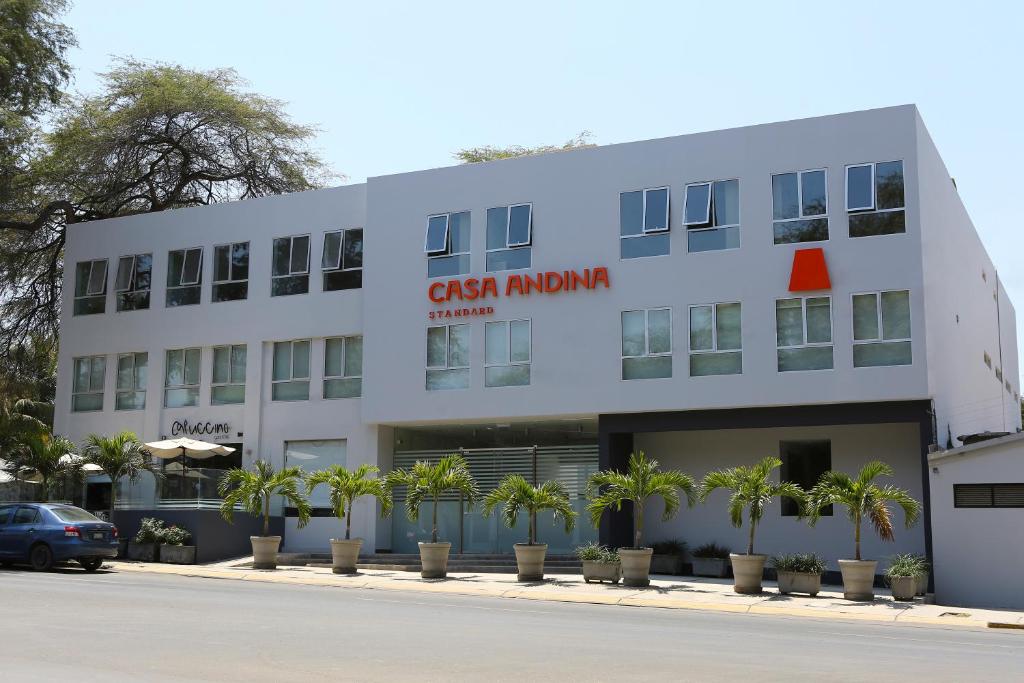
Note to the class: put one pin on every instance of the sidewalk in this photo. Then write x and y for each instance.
(665, 592)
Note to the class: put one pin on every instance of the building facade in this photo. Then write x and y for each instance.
(812, 289)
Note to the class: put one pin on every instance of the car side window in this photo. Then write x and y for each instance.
(5, 513)
(25, 516)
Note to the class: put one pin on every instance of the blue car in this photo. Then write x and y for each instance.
(42, 534)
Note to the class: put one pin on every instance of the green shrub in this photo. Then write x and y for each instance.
(905, 565)
(711, 551)
(669, 548)
(802, 563)
(151, 530)
(176, 535)
(595, 552)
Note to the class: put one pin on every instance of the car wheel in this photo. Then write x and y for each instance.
(41, 558)
(91, 564)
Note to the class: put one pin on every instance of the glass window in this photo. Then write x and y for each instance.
(231, 272)
(343, 260)
(803, 463)
(647, 343)
(343, 367)
(447, 244)
(715, 340)
(290, 378)
(133, 281)
(644, 223)
(290, 273)
(311, 456)
(131, 381)
(881, 329)
(509, 236)
(87, 385)
(91, 287)
(184, 276)
(875, 199)
(799, 206)
(228, 383)
(711, 215)
(804, 333)
(447, 357)
(181, 378)
(507, 353)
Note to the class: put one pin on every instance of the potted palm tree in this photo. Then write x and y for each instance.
(862, 497)
(517, 494)
(425, 482)
(345, 487)
(252, 490)
(45, 459)
(641, 480)
(752, 489)
(119, 456)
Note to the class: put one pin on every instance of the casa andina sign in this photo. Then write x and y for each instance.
(476, 294)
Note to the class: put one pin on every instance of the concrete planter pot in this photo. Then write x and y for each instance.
(715, 567)
(799, 582)
(264, 551)
(921, 581)
(345, 555)
(667, 564)
(177, 554)
(858, 579)
(122, 548)
(144, 552)
(434, 560)
(601, 571)
(530, 561)
(636, 566)
(748, 571)
(903, 587)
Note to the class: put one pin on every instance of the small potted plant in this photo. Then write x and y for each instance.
(711, 560)
(599, 563)
(902, 575)
(922, 575)
(516, 494)
(752, 489)
(345, 487)
(174, 548)
(668, 557)
(252, 489)
(799, 573)
(145, 547)
(425, 482)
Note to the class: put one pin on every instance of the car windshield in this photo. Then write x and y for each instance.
(70, 514)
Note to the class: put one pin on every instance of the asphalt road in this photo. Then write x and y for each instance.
(130, 627)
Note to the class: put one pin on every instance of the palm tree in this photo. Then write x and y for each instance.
(428, 482)
(345, 486)
(47, 458)
(121, 455)
(640, 481)
(752, 488)
(253, 488)
(863, 498)
(517, 494)
(22, 419)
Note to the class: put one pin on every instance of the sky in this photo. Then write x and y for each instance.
(400, 86)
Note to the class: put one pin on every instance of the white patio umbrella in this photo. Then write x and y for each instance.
(190, 448)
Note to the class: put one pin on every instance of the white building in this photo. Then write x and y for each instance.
(813, 289)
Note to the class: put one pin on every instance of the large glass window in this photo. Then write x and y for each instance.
(343, 367)
(184, 276)
(291, 371)
(804, 331)
(87, 388)
(644, 223)
(131, 381)
(133, 282)
(342, 261)
(228, 384)
(181, 378)
(800, 206)
(91, 287)
(647, 343)
(509, 237)
(803, 463)
(311, 456)
(874, 199)
(507, 353)
(448, 357)
(230, 272)
(711, 214)
(881, 329)
(447, 244)
(715, 340)
(291, 266)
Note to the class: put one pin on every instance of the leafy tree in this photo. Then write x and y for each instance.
(752, 489)
(33, 63)
(517, 494)
(473, 155)
(21, 420)
(48, 458)
(346, 486)
(424, 482)
(119, 456)
(641, 480)
(252, 489)
(862, 497)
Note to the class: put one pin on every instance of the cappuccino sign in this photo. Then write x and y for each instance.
(200, 428)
